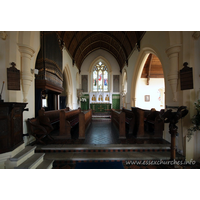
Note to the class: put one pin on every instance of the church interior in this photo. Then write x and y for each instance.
(111, 95)
(99, 87)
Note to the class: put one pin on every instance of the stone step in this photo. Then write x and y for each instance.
(104, 148)
(46, 164)
(33, 162)
(19, 158)
(109, 156)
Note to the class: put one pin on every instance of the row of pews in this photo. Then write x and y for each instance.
(64, 120)
(138, 122)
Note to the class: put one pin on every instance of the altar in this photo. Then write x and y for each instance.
(100, 101)
(100, 107)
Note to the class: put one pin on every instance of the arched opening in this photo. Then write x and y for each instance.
(144, 59)
(150, 85)
(66, 96)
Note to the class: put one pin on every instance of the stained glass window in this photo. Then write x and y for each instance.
(100, 77)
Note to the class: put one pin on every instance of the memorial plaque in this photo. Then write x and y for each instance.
(13, 78)
(186, 77)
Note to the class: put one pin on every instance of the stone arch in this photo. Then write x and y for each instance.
(77, 80)
(67, 85)
(124, 80)
(124, 87)
(102, 59)
(138, 71)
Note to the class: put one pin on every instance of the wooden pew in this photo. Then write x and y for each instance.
(85, 119)
(153, 123)
(53, 115)
(139, 121)
(143, 117)
(68, 119)
(129, 120)
(118, 118)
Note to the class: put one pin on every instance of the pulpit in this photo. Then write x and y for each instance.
(11, 125)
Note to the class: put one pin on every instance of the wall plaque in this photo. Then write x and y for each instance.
(186, 77)
(13, 78)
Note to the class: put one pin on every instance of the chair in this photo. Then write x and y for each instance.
(40, 128)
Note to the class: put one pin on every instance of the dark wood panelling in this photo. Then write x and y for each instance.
(186, 77)
(13, 78)
(11, 123)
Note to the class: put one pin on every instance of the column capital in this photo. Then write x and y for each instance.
(3, 35)
(173, 49)
(25, 49)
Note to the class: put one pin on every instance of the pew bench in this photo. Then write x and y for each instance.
(118, 119)
(40, 128)
(154, 124)
(68, 120)
(147, 120)
(85, 119)
(53, 115)
(129, 120)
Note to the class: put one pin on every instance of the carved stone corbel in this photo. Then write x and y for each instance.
(3, 35)
(196, 35)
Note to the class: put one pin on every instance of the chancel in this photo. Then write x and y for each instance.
(97, 96)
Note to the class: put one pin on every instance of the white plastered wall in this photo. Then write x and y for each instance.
(153, 91)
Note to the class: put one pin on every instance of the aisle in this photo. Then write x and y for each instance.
(101, 132)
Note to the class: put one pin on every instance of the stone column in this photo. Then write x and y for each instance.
(26, 75)
(173, 54)
(69, 97)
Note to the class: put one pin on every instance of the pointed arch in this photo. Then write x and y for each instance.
(138, 71)
(67, 85)
(124, 80)
(100, 59)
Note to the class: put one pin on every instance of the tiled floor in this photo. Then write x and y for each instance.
(101, 132)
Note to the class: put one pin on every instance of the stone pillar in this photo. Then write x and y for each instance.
(26, 75)
(173, 55)
(69, 97)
